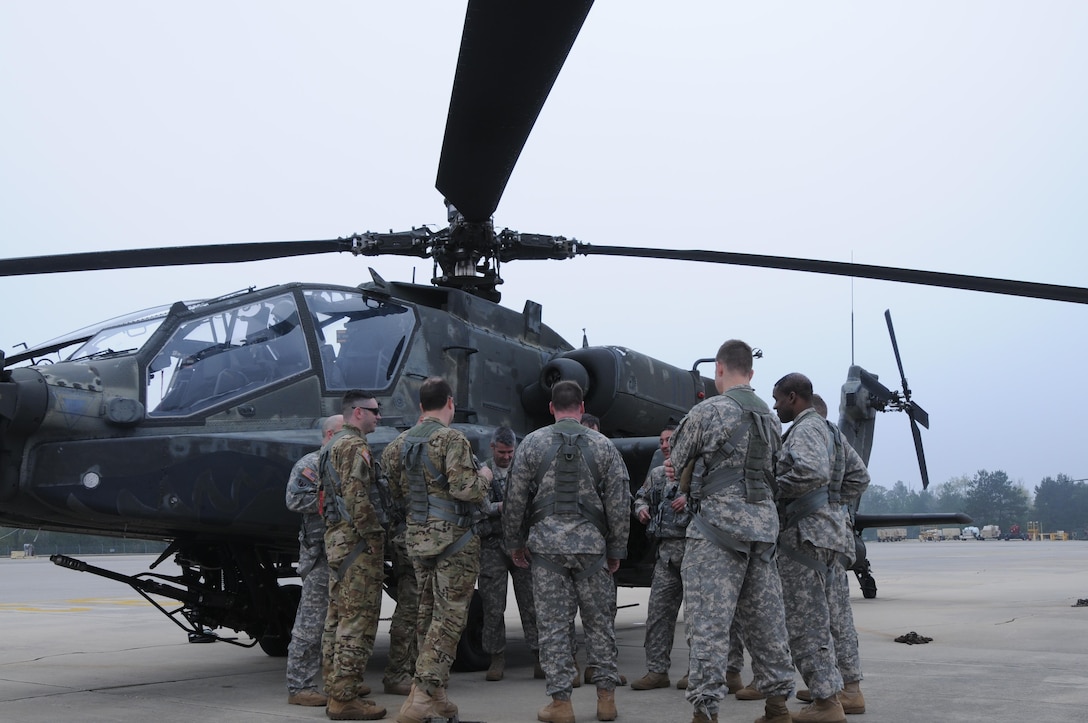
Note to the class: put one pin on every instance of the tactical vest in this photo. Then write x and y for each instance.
(667, 522)
(757, 423)
(417, 467)
(573, 457)
(793, 510)
(335, 509)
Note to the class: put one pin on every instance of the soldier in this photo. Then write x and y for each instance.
(495, 564)
(663, 508)
(304, 651)
(568, 505)
(724, 449)
(433, 474)
(810, 545)
(403, 642)
(849, 475)
(354, 543)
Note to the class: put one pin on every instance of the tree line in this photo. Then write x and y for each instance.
(45, 543)
(991, 498)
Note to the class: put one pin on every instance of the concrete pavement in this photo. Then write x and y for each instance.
(1008, 645)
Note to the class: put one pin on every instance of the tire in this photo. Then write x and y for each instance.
(470, 648)
(275, 642)
(868, 587)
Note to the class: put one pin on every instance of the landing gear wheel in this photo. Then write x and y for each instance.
(275, 642)
(868, 586)
(470, 648)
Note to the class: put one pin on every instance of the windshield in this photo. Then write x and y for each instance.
(363, 340)
(224, 355)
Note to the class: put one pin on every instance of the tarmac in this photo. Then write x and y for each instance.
(1008, 645)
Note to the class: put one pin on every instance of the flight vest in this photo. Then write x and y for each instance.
(757, 423)
(836, 453)
(793, 510)
(572, 457)
(332, 506)
(417, 466)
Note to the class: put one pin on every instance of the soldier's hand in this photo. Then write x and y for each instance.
(613, 565)
(644, 515)
(669, 471)
(680, 503)
(521, 557)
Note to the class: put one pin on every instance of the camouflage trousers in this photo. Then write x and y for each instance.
(842, 627)
(806, 592)
(304, 651)
(445, 591)
(495, 566)
(666, 594)
(720, 586)
(734, 662)
(355, 597)
(559, 595)
(403, 643)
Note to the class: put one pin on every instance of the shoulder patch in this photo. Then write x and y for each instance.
(365, 454)
(309, 473)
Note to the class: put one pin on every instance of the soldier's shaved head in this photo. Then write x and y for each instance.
(566, 396)
(736, 356)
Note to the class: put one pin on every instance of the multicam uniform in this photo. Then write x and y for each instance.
(433, 474)
(669, 527)
(728, 568)
(568, 501)
(403, 642)
(354, 543)
(855, 480)
(811, 548)
(304, 651)
(495, 564)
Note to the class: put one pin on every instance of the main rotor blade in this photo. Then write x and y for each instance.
(1054, 292)
(895, 348)
(918, 450)
(168, 256)
(511, 54)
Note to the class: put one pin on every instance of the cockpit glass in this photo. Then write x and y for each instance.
(227, 354)
(363, 339)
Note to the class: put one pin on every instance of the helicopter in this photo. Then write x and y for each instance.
(180, 423)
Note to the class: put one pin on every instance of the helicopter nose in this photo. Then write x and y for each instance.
(24, 400)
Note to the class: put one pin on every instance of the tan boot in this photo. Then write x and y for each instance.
(400, 687)
(498, 665)
(577, 682)
(354, 709)
(804, 695)
(441, 705)
(650, 681)
(704, 718)
(749, 692)
(308, 697)
(733, 681)
(417, 708)
(821, 710)
(606, 704)
(851, 698)
(558, 711)
(775, 711)
(682, 684)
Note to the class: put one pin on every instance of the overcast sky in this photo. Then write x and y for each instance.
(932, 135)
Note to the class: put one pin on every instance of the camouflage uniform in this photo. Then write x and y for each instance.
(304, 651)
(495, 564)
(728, 568)
(811, 547)
(854, 483)
(354, 543)
(666, 587)
(445, 555)
(403, 643)
(568, 550)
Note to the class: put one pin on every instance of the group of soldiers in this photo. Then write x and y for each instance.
(755, 536)
(753, 529)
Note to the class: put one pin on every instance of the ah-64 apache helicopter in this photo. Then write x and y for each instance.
(181, 423)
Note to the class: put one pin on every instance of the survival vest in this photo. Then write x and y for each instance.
(756, 418)
(573, 458)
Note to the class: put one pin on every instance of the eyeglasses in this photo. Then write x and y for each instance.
(376, 411)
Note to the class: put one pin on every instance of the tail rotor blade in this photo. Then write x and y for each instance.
(921, 455)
